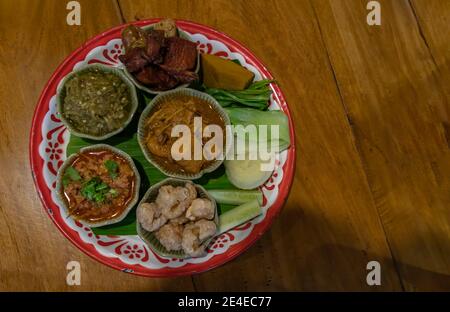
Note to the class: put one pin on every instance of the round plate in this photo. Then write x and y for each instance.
(49, 139)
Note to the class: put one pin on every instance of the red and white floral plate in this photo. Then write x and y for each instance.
(49, 138)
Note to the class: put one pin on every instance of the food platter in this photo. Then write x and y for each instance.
(49, 147)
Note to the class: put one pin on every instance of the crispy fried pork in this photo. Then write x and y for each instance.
(158, 61)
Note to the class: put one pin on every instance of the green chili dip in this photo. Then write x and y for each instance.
(96, 102)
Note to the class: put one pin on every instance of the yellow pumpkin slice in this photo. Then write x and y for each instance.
(220, 73)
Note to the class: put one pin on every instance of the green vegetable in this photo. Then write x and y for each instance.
(246, 174)
(112, 167)
(99, 197)
(239, 215)
(71, 174)
(95, 190)
(249, 116)
(235, 197)
(257, 95)
(113, 192)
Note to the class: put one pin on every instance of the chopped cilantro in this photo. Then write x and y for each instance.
(112, 167)
(99, 197)
(70, 174)
(95, 189)
(113, 192)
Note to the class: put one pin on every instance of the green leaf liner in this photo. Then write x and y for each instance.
(127, 141)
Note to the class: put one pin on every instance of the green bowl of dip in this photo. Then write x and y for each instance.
(96, 101)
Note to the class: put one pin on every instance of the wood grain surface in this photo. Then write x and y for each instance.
(371, 111)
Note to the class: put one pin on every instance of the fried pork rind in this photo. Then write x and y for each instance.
(175, 200)
(173, 226)
(194, 234)
(170, 236)
(200, 208)
(150, 217)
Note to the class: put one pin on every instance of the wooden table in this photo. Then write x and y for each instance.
(371, 112)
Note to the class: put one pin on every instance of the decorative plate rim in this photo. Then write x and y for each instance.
(137, 269)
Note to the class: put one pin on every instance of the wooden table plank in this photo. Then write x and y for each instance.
(433, 19)
(390, 86)
(34, 39)
(329, 228)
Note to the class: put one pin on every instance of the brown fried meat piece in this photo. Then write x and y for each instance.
(155, 46)
(157, 61)
(182, 76)
(157, 78)
(133, 37)
(181, 54)
(135, 59)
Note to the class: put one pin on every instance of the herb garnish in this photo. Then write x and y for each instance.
(70, 174)
(113, 192)
(96, 190)
(112, 167)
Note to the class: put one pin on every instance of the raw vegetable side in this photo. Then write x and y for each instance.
(246, 174)
(256, 96)
(236, 197)
(246, 104)
(236, 216)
